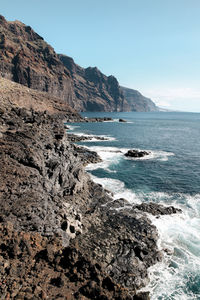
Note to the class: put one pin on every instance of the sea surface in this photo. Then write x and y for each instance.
(170, 175)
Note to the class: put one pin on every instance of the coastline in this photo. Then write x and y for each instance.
(151, 210)
(55, 219)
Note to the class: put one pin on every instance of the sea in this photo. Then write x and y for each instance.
(169, 175)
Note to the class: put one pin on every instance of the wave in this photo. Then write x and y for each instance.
(95, 138)
(72, 127)
(178, 276)
(153, 154)
(112, 155)
(118, 189)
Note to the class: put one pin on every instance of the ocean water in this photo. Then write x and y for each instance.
(170, 175)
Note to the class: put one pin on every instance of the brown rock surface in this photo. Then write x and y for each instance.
(94, 90)
(16, 95)
(27, 59)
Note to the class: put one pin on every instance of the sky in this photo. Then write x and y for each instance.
(149, 45)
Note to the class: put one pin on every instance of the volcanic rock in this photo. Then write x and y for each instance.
(157, 209)
(80, 138)
(136, 153)
(58, 237)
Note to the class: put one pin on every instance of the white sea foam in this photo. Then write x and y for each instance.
(71, 127)
(118, 189)
(172, 279)
(95, 137)
(112, 155)
(153, 154)
(109, 156)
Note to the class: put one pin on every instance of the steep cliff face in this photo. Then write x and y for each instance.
(27, 59)
(97, 92)
(94, 90)
(137, 102)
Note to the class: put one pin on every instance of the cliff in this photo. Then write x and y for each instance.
(137, 102)
(97, 92)
(27, 59)
(94, 91)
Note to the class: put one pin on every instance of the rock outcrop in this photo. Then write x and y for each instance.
(136, 153)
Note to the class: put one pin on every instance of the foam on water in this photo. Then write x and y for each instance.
(118, 189)
(112, 155)
(71, 127)
(109, 156)
(93, 137)
(178, 276)
(157, 155)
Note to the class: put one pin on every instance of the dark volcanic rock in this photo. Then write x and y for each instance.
(122, 120)
(104, 119)
(76, 138)
(86, 156)
(136, 153)
(157, 209)
(58, 235)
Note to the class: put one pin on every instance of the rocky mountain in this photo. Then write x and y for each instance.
(94, 91)
(27, 59)
(137, 102)
(98, 92)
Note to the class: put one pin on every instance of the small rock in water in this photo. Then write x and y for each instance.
(122, 120)
(136, 153)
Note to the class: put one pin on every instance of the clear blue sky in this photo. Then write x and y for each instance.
(149, 45)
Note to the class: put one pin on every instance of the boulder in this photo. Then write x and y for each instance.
(136, 153)
(122, 120)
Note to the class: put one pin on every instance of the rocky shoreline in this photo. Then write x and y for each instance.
(61, 235)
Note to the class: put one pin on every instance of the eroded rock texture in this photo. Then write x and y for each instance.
(27, 59)
(60, 237)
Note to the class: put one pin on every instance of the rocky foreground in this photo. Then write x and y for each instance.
(61, 235)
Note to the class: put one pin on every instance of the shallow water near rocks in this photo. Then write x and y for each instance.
(169, 175)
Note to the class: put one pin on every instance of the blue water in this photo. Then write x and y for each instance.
(169, 175)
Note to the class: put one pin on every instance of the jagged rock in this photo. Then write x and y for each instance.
(79, 138)
(63, 239)
(157, 209)
(136, 153)
(94, 90)
(103, 119)
(122, 120)
(86, 156)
